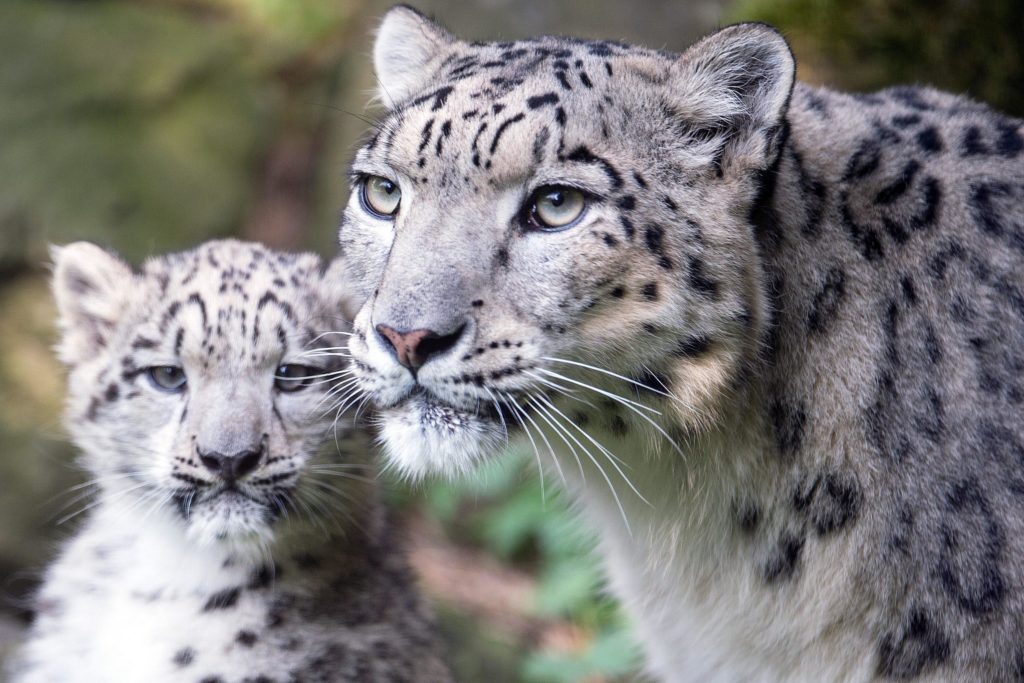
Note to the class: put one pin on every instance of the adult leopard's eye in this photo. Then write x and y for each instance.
(380, 196)
(168, 378)
(289, 378)
(554, 206)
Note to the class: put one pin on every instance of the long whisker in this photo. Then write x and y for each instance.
(537, 404)
(333, 373)
(328, 334)
(85, 489)
(611, 374)
(608, 394)
(324, 354)
(536, 451)
(568, 392)
(544, 416)
(540, 432)
(612, 458)
(501, 415)
(631, 405)
(108, 498)
(334, 391)
(338, 399)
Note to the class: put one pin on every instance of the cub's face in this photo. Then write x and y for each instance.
(204, 384)
(526, 207)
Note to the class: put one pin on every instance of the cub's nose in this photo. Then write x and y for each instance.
(231, 467)
(416, 347)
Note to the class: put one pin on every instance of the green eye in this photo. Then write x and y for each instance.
(289, 378)
(555, 206)
(168, 378)
(380, 196)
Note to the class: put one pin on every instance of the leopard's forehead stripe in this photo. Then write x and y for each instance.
(222, 298)
(226, 308)
(495, 87)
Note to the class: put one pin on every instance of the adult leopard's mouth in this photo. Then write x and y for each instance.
(447, 413)
(425, 434)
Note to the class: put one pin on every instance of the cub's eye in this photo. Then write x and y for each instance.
(555, 206)
(289, 378)
(380, 196)
(168, 378)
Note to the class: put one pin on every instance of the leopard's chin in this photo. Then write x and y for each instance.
(423, 436)
(230, 517)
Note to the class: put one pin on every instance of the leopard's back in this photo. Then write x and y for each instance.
(895, 254)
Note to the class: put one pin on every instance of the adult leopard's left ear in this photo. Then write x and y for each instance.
(406, 52)
(731, 91)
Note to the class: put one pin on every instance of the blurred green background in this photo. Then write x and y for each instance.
(151, 125)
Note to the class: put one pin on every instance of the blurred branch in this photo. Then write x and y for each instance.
(495, 593)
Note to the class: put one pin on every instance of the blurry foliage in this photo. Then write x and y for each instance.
(144, 125)
(964, 46)
(36, 462)
(505, 509)
(120, 125)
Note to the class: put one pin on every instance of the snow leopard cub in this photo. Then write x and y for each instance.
(231, 539)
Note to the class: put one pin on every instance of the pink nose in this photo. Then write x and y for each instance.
(416, 347)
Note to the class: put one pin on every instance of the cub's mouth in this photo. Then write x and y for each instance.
(231, 511)
(227, 515)
(229, 495)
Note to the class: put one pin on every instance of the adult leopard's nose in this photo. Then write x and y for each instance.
(414, 348)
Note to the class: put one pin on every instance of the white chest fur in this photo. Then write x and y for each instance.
(143, 606)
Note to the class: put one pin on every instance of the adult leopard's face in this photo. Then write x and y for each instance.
(196, 385)
(526, 207)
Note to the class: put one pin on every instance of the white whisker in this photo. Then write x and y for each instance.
(612, 458)
(610, 374)
(615, 496)
(613, 396)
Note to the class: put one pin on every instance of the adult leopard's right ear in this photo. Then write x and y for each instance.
(406, 52)
(92, 287)
(731, 92)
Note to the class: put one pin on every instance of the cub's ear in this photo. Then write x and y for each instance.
(92, 287)
(337, 290)
(406, 48)
(731, 91)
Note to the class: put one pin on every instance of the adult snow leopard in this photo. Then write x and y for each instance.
(771, 336)
(231, 538)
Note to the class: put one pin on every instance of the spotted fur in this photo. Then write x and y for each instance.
(291, 573)
(803, 313)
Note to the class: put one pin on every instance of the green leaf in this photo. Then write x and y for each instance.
(508, 527)
(568, 586)
(611, 654)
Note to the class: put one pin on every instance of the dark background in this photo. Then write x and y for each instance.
(152, 125)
